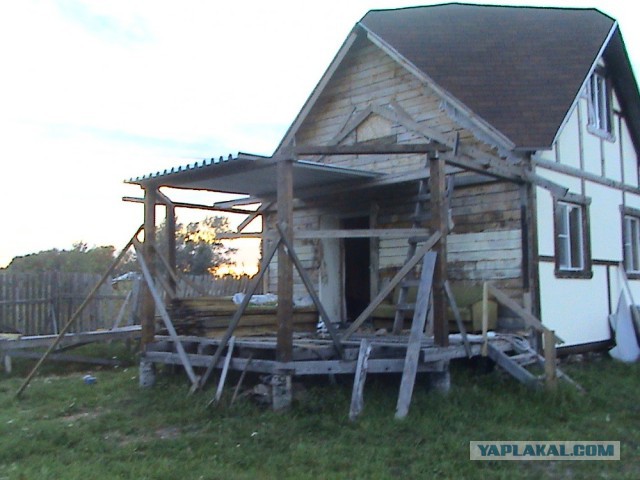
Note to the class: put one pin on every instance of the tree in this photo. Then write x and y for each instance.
(198, 250)
(80, 259)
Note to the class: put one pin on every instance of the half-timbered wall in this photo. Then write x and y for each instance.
(605, 171)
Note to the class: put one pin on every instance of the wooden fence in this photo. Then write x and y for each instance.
(41, 303)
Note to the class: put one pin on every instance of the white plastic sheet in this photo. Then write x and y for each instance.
(626, 349)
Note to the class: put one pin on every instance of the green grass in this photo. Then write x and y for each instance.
(64, 429)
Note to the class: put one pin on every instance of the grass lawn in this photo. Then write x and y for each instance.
(64, 429)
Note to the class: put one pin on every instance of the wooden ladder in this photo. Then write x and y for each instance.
(419, 218)
(518, 360)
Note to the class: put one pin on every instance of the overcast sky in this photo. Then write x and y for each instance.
(93, 92)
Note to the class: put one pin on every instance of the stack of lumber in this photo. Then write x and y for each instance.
(210, 317)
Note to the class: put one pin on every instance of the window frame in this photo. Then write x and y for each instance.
(599, 90)
(561, 224)
(633, 215)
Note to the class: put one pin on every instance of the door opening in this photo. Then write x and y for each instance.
(357, 261)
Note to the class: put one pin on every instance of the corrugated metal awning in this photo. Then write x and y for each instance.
(250, 175)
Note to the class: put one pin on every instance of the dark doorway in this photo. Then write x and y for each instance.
(357, 281)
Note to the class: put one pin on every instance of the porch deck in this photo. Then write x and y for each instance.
(314, 354)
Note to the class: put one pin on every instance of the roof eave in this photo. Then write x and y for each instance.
(289, 137)
(593, 66)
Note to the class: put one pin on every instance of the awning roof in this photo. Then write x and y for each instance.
(249, 174)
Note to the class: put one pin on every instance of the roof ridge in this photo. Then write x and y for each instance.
(488, 5)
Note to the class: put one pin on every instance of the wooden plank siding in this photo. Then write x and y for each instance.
(486, 241)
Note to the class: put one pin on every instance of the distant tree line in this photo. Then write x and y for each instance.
(198, 251)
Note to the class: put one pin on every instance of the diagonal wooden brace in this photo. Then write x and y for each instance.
(233, 323)
(164, 314)
(392, 284)
(314, 296)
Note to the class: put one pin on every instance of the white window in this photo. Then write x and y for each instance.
(599, 101)
(570, 232)
(631, 232)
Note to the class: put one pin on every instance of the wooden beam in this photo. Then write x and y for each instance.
(393, 149)
(159, 304)
(233, 323)
(456, 313)
(550, 373)
(485, 319)
(439, 223)
(529, 319)
(338, 233)
(312, 293)
(289, 138)
(196, 206)
(78, 312)
(239, 202)
(148, 313)
(415, 337)
(555, 189)
(576, 172)
(363, 233)
(357, 398)
(406, 268)
(253, 215)
(170, 224)
(284, 350)
(225, 370)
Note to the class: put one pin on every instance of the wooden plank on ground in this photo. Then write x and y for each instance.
(416, 335)
(357, 399)
(513, 368)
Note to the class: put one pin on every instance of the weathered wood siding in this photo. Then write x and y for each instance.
(485, 243)
(486, 240)
(370, 77)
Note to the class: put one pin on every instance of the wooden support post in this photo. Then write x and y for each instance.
(485, 318)
(440, 224)
(284, 351)
(281, 381)
(186, 363)
(456, 314)
(148, 305)
(6, 360)
(223, 375)
(550, 374)
(357, 398)
(233, 323)
(324, 316)
(171, 242)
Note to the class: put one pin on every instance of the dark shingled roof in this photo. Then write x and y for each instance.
(518, 68)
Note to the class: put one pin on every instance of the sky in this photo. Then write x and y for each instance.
(95, 92)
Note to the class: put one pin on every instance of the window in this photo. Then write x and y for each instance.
(631, 240)
(573, 259)
(599, 101)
